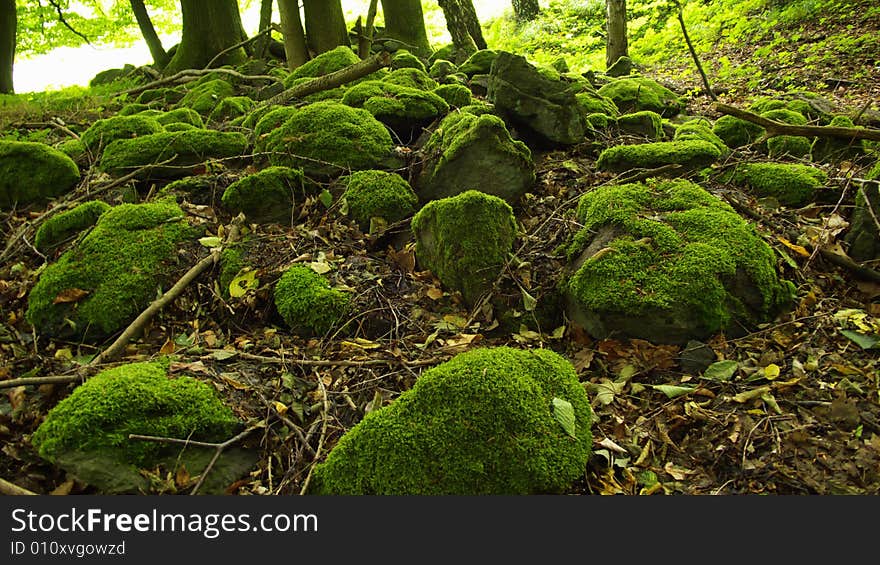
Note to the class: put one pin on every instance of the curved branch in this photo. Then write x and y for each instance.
(775, 128)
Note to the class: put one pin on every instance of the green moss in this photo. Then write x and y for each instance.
(794, 146)
(371, 194)
(327, 94)
(465, 240)
(184, 149)
(699, 129)
(790, 183)
(735, 132)
(196, 184)
(481, 423)
(137, 398)
(326, 138)
(102, 132)
(323, 64)
(479, 63)
(478, 108)
(33, 172)
(230, 108)
(73, 148)
(456, 95)
(645, 123)
(306, 302)
(765, 104)
(593, 103)
(681, 254)
(268, 122)
(232, 261)
(403, 59)
(393, 104)
(62, 226)
(412, 78)
(204, 96)
(130, 252)
(132, 109)
(441, 68)
(181, 116)
(634, 94)
(690, 153)
(600, 121)
(266, 196)
(151, 95)
(831, 149)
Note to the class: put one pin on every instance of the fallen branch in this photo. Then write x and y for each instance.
(321, 362)
(774, 128)
(324, 418)
(12, 489)
(194, 73)
(843, 261)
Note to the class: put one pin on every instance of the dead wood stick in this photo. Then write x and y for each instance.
(37, 381)
(325, 415)
(687, 39)
(842, 261)
(774, 128)
(332, 80)
(194, 73)
(12, 489)
(321, 362)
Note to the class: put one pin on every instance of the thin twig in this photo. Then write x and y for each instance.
(325, 417)
(322, 362)
(12, 489)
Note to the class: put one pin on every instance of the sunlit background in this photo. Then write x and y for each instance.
(68, 66)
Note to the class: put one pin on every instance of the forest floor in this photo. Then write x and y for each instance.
(798, 412)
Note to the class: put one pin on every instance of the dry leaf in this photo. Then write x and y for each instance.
(70, 295)
(167, 348)
(63, 489)
(434, 293)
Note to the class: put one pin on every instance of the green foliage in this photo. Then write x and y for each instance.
(371, 194)
(306, 302)
(481, 423)
(66, 224)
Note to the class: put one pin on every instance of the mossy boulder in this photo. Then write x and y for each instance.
(541, 106)
(326, 94)
(230, 108)
(63, 226)
(791, 145)
(599, 122)
(307, 303)
(132, 109)
(668, 262)
(399, 107)
(441, 68)
(689, 153)
(184, 151)
(634, 94)
(591, 102)
(465, 240)
(735, 132)
(267, 122)
(87, 433)
(645, 124)
(181, 116)
(378, 194)
(204, 96)
(323, 64)
(863, 236)
(700, 129)
(468, 151)
(74, 149)
(791, 184)
(456, 95)
(485, 422)
(101, 284)
(403, 59)
(33, 172)
(269, 195)
(102, 132)
(836, 149)
(412, 78)
(327, 138)
(479, 63)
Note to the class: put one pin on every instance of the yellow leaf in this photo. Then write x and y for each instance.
(281, 408)
(167, 348)
(771, 371)
(751, 394)
(794, 247)
(320, 267)
(435, 293)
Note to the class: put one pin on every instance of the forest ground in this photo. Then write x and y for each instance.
(800, 414)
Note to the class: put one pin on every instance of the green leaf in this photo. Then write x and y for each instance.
(242, 283)
(326, 198)
(529, 301)
(673, 391)
(721, 370)
(563, 411)
(210, 241)
(862, 340)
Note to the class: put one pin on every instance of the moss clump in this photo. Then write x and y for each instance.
(326, 138)
(791, 184)
(598, 122)
(766, 104)
(269, 121)
(119, 265)
(132, 109)
(792, 145)
(699, 129)
(138, 398)
(306, 302)
(646, 123)
(478, 108)
(441, 68)
(481, 423)
(412, 78)
(395, 105)
(73, 148)
(103, 132)
(634, 94)
(181, 116)
(403, 59)
(593, 103)
(151, 95)
(32, 172)
(378, 194)
(62, 226)
(204, 96)
(231, 108)
(479, 63)
(323, 64)
(679, 264)
(831, 149)
(735, 132)
(464, 240)
(456, 95)
(690, 153)
(269, 195)
(184, 149)
(327, 94)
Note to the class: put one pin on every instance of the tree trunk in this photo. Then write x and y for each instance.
(525, 10)
(616, 42)
(295, 48)
(209, 27)
(8, 24)
(457, 25)
(405, 22)
(472, 21)
(261, 46)
(325, 25)
(160, 56)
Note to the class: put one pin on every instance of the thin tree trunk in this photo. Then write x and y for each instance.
(160, 56)
(209, 27)
(458, 28)
(616, 40)
(325, 25)
(8, 25)
(295, 48)
(405, 22)
(525, 10)
(365, 41)
(687, 39)
(262, 44)
(472, 21)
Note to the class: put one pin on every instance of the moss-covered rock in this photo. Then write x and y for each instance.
(399, 107)
(270, 195)
(33, 172)
(109, 277)
(132, 109)
(464, 240)
(700, 129)
(690, 153)
(74, 149)
(412, 78)
(634, 94)
(479, 63)
(307, 303)
(668, 262)
(323, 64)
(791, 184)
(269, 121)
(441, 68)
(645, 123)
(327, 138)
(102, 132)
(403, 59)
(592, 102)
(230, 108)
(791, 145)
(863, 236)
(326, 94)
(735, 132)
(196, 187)
(835, 149)
(203, 97)
(378, 194)
(485, 422)
(181, 116)
(61, 227)
(599, 122)
(184, 151)
(456, 95)
(468, 151)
